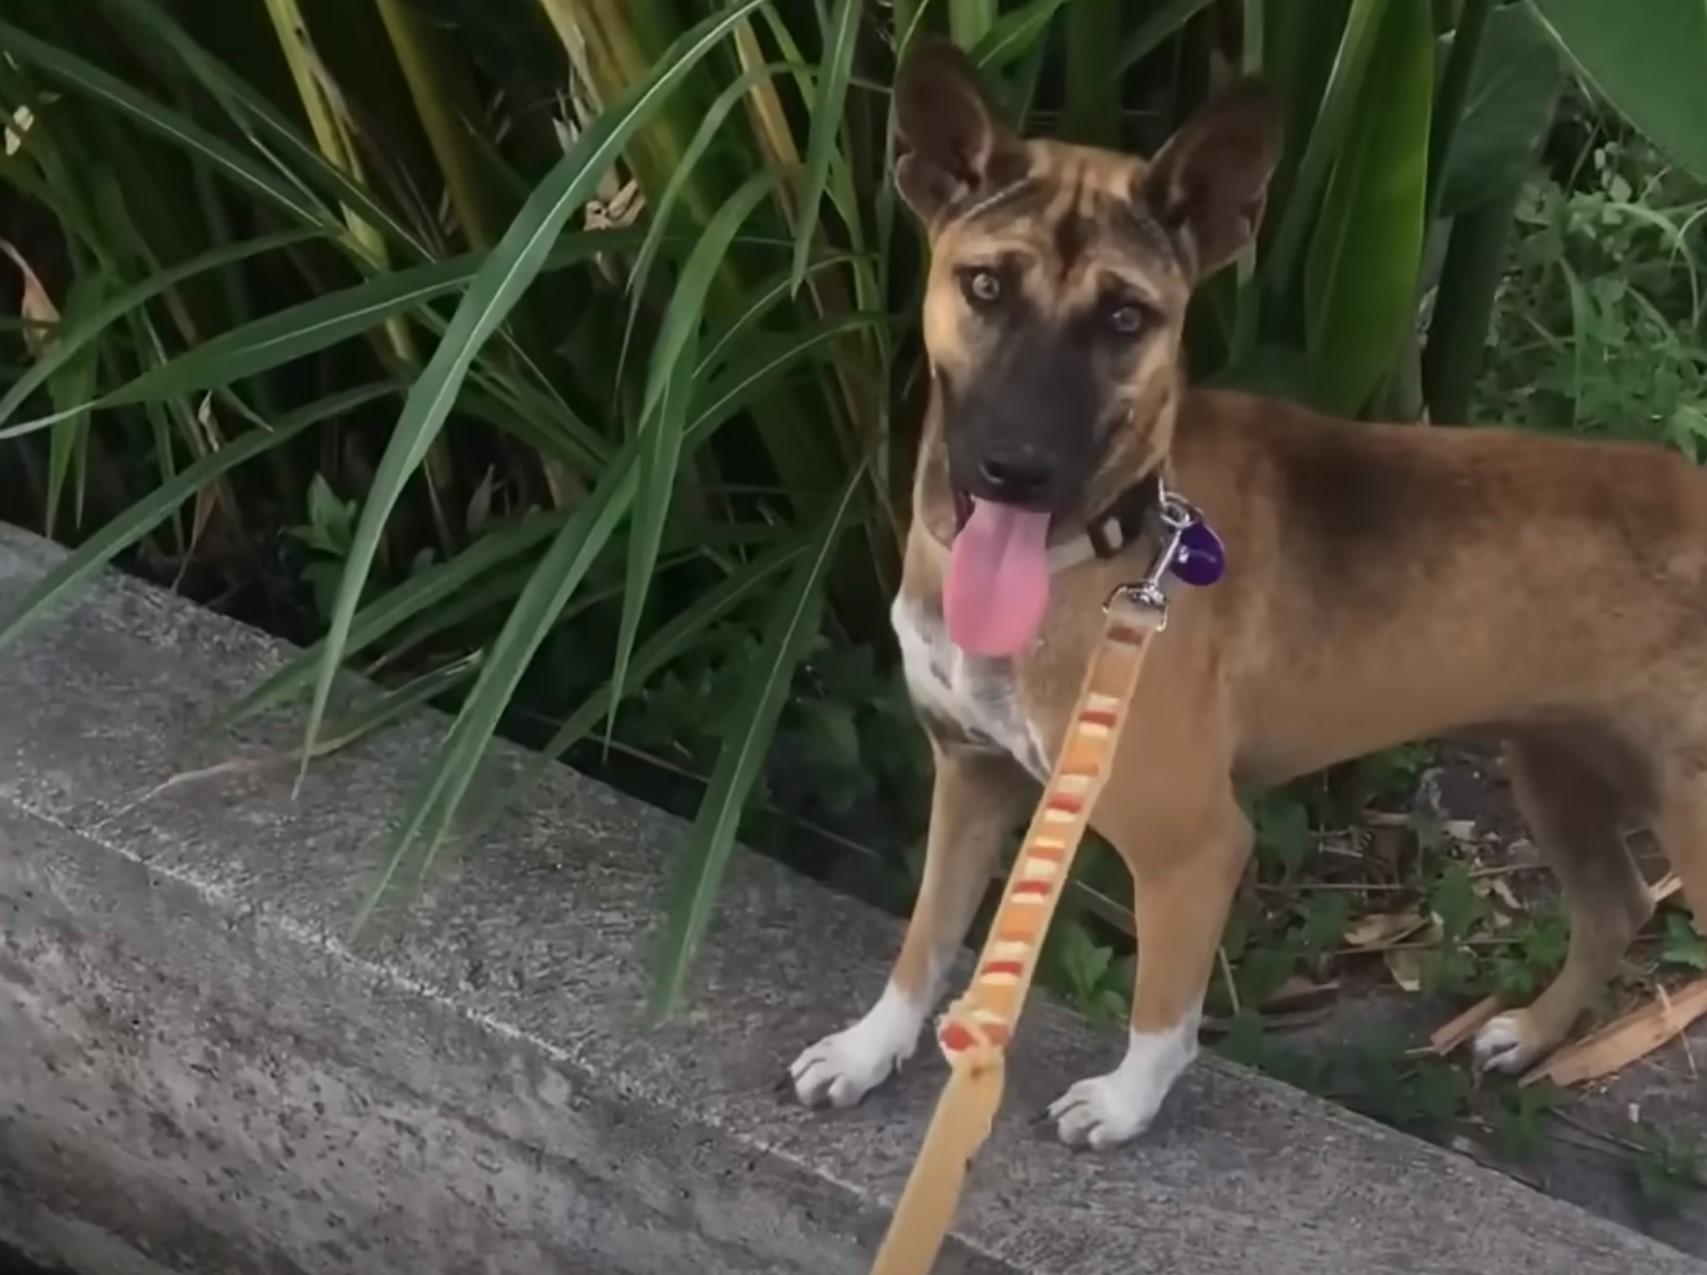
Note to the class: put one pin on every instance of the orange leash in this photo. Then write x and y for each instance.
(975, 1032)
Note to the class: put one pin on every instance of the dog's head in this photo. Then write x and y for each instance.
(1058, 285)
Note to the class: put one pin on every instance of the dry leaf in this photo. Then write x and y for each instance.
(37, 309)
(1382, 927)
(1405, 965)
(22, 119)
(1625, 1040)
(1460, 829)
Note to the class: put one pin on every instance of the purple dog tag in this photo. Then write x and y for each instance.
(1201, 557)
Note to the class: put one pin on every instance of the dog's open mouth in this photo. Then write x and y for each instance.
(997, 587)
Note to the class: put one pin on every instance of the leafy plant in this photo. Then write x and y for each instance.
(1536, 953)
(1518, 1130)
(1681, 943)
(603, 317)
(327, 533)
(1668, 1168)
(1087, 973)
(1598, 323)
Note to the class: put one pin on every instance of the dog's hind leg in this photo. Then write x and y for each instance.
(976, 799)
(1573, 812)
(1679, 823)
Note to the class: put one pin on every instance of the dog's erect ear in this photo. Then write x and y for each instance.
(955, 144)
(1209, 183)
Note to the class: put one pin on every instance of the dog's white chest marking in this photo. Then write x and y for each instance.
(976, 694)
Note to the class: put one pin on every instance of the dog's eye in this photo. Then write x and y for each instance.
(1128, 320)
(982, 287)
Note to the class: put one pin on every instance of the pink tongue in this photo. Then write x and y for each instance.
(998, 579)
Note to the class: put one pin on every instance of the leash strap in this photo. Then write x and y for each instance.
(975, 1031)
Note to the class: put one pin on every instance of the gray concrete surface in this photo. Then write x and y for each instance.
(199, 1075)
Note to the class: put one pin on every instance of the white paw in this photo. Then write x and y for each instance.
(843, 1068)
(1506, 1045)
(1106, 1111)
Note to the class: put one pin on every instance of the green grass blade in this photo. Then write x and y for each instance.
(662, 212)
(687, 300)
(969, 21)
(397, 703)
(285, 336)
(829, 105)
(1091, 112)
(1326, 140)
(70, 337)
(1361, 275)
(177, 128)
(245, 106)
(78, 569)
(1169, 16)
(660, 459)
(560, 572)
(490, 591)
(669, 391)
(297, 331)
(481, 595)
(732, 391)
(793, 623)
(70, 438)
(673, 639)
(430, 589)
(509, 269)
(1015, 34)
(766, 297)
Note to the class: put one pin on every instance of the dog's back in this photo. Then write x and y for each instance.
(1482, 577)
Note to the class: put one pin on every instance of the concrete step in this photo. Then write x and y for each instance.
(200, 1074)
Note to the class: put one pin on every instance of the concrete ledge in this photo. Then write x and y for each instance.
(198, 1076)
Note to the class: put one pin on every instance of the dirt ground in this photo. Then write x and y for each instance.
(1604, 1148)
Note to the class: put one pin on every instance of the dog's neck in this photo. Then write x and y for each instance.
(1102, 532)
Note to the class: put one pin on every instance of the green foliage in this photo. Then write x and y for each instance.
(1087, 973)
(1536, 952)
(1391, 775)
(554, 361)
(1669, 1168)
(1372, 1073)
(1281, 824)
(327, 533)
(1663, 94)
(1681, 943)
(1518, 1130)
(1598, 323)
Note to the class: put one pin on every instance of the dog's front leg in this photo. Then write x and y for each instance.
(1186, 860)
(976, 799)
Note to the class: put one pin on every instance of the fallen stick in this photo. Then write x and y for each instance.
(1625, 1040)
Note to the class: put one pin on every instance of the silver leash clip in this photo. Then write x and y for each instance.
(1177, 517)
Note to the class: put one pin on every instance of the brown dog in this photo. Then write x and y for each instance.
(1384, 584)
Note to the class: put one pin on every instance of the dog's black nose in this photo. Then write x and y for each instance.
(1017, 475)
